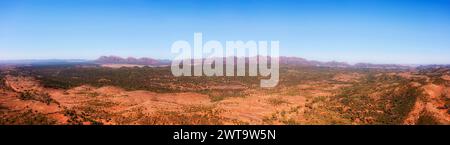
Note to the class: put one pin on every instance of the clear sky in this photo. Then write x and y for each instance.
(377, 31)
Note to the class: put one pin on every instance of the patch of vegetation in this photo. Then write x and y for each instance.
(276, 101)
(2, 82)
(219, 95)
(146, 78)
(446, 101)
(3, 107)
(401, 103)
(395, 100)
(427, 119)
(323, 110)
(28, 117)
(378, 99)
(41, 97)
(287, 117)
(76, 118)
(92, 112)
(3, 86)
(88, 94)
(192, 115)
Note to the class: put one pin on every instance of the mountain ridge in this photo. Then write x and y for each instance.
(283, 60)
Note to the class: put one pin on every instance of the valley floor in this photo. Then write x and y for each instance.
(350, 97)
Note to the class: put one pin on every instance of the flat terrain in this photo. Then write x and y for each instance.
(74, 94)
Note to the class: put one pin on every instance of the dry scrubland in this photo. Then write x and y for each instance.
(143, 95)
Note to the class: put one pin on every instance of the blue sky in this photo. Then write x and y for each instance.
(377, 31)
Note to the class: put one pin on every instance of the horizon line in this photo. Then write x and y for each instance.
(307, 59)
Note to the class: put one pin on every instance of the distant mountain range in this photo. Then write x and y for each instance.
(132, 60)
(283, 60)
(153, 62)
(304, 62)
(43, 61)
(297, 61)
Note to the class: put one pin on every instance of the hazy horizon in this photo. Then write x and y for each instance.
(6, 61)
(352, 31)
